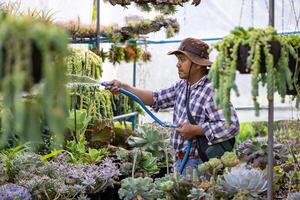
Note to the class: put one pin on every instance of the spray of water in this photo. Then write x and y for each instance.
(75, 80)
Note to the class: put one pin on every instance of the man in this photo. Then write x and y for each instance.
(194, 108)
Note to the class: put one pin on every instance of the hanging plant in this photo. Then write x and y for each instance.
(261, 52)
(31, 52)
(294, 64)
(102, 54)
(116, 54)
(133, 29)
(165, 7)
(132, 53)
(146, 56)
(84, 62)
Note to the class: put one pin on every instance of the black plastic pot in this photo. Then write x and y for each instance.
(292, 66)
(111, 193)
(162, 172)
(243, 53)
(35, 64)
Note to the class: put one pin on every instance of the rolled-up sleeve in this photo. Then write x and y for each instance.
(164, 98)
(215, 128)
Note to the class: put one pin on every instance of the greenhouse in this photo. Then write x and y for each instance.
(149, 99)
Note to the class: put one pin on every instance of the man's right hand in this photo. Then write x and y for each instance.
(114, 85)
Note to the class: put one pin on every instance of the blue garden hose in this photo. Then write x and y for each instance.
(164, 124)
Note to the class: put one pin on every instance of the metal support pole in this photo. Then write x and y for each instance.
(270, 121)
(134, 84)
(98, 25)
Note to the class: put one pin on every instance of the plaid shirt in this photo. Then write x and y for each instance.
(202, 108)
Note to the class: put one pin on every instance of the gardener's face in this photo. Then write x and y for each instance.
(183, 66)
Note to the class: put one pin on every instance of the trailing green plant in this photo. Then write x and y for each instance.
(244, 183)
(116, 54)
(260, 46)
(32, 52)
(165, 7)
(132, 53)
(84, 62)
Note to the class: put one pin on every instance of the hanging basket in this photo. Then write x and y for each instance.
(292, 66)
(243, 52)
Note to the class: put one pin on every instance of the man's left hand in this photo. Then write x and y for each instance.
(189, 131)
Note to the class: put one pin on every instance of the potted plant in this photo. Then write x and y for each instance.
(253, 51)
(32, 65)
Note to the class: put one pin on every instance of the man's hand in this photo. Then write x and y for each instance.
(114, 85)
(189, 131)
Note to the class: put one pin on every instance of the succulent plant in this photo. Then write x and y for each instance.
(84, 62)
(133, 187)
(151, 138)
(116, 54)
(294, 196)
(12, 191)
(197, 194)
(100, 132)
(211, 167)
(229, 159)
(255, 152)
(146, 56)
(145, 162)
(173, 186)
(251, 181)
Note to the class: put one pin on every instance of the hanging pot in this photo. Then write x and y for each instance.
(292, 66)
(243, 53)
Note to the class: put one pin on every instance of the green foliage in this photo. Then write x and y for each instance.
(58, 178)
(82, 120)
(137, 187)
(250, 183)
(173, 186)
(84, 62)
(216, 166)
(6, 158)
(32, 52)
(278, 76)
(151, 138)
(196, 194)
(137, 162)
(80, 153)
(255, 152)
(249, 130)
(116, 54)
(99, 133)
